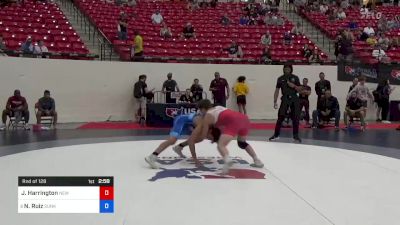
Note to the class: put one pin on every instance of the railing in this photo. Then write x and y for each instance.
(159, 96)
(49, 55)
(227, 60)
(314, 31)
(97, 37)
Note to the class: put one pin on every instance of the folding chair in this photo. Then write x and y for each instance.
(12, 124)
(46, 121)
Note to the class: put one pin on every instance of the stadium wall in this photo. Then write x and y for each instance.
(97, 91)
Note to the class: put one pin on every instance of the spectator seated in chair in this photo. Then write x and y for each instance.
(354, 109)
(234, 50)
(16, 109)
(27, 47)
(188, 31)
(3, 46)
(157, 18)
(165, 31)
(225, 20)
(46, 107)
(266, 57)
(315, 57)
(187, 97)
(327, 108)
(287, 38)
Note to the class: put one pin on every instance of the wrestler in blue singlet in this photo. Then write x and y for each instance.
(183, 125)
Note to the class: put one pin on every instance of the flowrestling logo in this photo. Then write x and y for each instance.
(174, 167)
(370, 15)
(173, 112)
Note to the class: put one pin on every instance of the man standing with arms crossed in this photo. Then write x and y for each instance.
(304, 102)
(217, 87)
(289, 84)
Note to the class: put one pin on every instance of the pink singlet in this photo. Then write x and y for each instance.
(230, 122)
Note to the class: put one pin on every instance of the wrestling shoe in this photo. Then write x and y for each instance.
(273, 138)
(257, 164)
(152, 161)
(2, 127)
(178, 150)
(227, 166)
(27, 127)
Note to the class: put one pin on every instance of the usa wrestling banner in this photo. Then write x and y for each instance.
(162, 114)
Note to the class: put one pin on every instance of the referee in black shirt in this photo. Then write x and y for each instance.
(290, 86)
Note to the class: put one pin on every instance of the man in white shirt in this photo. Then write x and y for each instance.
(266, 39)
(364, 11)
(157, 18)
(40, 48)
(341, 14)
(378, 53)
(323, 8)
(369, 30)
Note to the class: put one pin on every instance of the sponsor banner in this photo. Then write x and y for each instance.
(162, 115)
(391, 72)
(373, 73)
(347, 72)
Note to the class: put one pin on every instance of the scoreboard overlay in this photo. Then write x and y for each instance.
(65, 194)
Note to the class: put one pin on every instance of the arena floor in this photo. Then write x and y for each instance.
(341, 178)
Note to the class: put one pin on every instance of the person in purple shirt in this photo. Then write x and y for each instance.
(217, 87)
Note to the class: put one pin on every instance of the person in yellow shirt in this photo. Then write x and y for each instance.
(241, 90)
(137, 45)
(372, 40)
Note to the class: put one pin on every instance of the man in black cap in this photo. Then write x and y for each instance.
(290, 86)
(168, 87)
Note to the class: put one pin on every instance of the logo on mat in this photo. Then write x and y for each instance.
(395, 74)
(174, 167)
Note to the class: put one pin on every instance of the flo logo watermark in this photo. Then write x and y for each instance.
(371, 15)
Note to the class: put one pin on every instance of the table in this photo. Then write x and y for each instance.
(394, 110)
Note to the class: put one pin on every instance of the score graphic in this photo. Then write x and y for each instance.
(65, 194)
(106, 199)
